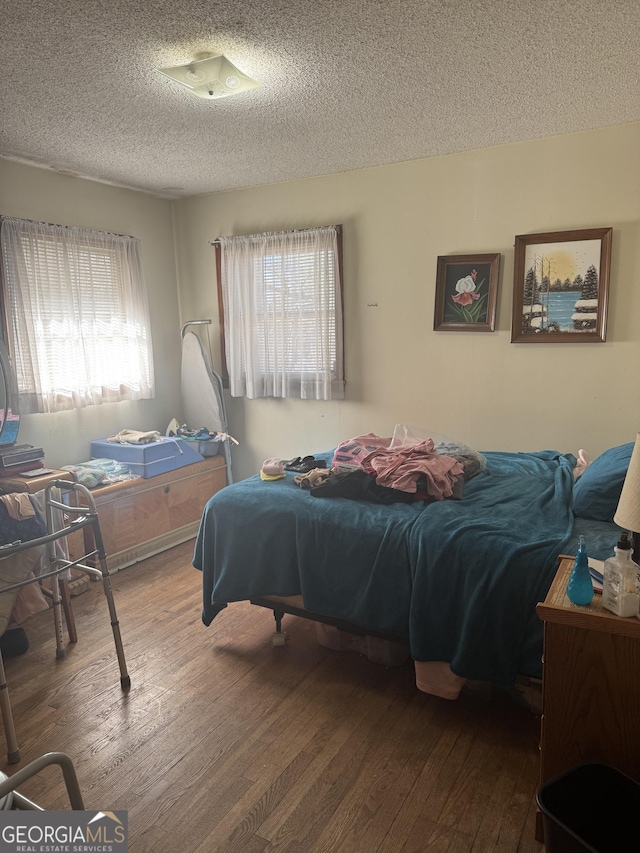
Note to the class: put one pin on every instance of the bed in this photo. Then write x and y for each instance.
(457, 580)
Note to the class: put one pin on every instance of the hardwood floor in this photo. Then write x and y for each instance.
(226, 743)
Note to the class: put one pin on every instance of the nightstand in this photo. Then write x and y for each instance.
(75, 541)
(78, 581)
(31, 484)
(590, 684)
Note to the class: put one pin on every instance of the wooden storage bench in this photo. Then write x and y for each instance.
(141, 517)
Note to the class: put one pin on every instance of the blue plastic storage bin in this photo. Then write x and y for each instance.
(148, 460)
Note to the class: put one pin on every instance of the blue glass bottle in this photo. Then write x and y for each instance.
(580, 586)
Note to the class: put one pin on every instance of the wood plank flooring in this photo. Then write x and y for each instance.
(227, 744)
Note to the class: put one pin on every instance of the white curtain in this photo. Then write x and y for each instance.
(283, 314)
(77, 316)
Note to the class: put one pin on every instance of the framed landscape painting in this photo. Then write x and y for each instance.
(561, 286)
(466, 292)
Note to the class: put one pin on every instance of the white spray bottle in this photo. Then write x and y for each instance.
(621, 581)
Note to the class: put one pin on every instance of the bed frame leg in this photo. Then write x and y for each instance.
(279, 638)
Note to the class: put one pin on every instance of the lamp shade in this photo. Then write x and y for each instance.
(628, 512)
(213, 77)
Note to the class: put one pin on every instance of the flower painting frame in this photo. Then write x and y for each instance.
(561, 286)
(466, 293)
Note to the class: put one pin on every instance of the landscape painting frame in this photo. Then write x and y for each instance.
(466, 293)
(561, 286)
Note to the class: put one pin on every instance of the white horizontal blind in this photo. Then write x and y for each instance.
(283, 314)
(77, 316)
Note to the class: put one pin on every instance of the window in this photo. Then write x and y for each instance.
(280, 296)
(76, 316)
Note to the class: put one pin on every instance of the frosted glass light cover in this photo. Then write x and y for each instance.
(214, 77)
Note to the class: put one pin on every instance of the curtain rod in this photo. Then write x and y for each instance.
(291, 231)
(57, 225)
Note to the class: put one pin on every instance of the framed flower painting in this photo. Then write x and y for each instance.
(466, 293)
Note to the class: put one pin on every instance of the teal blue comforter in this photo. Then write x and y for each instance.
(459, 578)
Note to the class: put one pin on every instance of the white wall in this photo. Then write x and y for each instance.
(475, 387)
(33, 193)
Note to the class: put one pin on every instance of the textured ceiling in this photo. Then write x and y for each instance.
(346, 83)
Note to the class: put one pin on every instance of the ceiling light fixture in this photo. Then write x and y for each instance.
(212, 77)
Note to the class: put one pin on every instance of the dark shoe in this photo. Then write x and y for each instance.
(289, 462)
(303, 466)
(14, 642)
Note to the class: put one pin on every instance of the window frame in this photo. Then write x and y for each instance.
(224, 372)
(126, 254)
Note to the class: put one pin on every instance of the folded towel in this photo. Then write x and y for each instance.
(135, 436)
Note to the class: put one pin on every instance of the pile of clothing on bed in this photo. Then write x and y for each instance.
(385, 470)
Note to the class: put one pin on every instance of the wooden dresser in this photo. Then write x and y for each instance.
(590, 685)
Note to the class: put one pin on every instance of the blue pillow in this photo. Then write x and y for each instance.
(596, 492)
